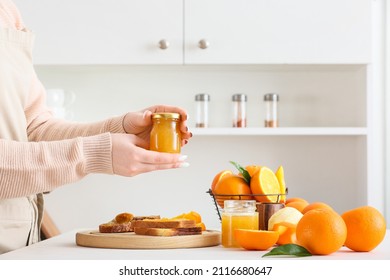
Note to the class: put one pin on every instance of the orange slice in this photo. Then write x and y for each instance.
(251, 239)
(192, 215)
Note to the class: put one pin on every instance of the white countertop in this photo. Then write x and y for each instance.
(64, 247)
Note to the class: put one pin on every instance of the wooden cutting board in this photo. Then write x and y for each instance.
(130, 240)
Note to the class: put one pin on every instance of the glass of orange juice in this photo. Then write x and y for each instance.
(238, 214)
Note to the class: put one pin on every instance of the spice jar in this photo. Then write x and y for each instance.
(239, 110)
(202, 109)
(271, 110)
(165, 135)
(237, 214)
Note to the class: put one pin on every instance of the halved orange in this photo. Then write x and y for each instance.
(251, 239)
(265, 183)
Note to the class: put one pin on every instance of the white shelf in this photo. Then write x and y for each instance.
(280, 131)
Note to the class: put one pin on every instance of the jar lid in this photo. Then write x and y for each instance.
(239, 97)
(202, 97)
(165, 116)
(271, 97)
(239, 206)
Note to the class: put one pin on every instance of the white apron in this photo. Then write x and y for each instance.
(20, 218)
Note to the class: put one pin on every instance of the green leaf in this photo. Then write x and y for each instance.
(243, 171)
(289, 250)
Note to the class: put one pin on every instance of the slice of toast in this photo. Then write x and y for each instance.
(123, 222)
(168, 231)
(164, 223)
(114, 227)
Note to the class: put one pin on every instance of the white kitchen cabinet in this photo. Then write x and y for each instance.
(278, 31)
(233, 31)
(105, 32)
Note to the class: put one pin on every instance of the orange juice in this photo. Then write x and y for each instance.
(238, 214)
(165, 135)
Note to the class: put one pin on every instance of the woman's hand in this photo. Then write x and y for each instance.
(140, 123)
(130, 156)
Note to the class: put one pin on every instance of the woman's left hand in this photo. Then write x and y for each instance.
(140, 123)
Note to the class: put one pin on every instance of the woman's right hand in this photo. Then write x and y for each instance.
(130, 156)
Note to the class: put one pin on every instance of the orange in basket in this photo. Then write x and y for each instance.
(231, 188)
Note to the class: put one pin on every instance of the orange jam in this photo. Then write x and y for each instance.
(238, 214)
(165, 135)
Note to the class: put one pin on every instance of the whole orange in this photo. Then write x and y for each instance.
(316, 205)
(252, 169)
(298, 204)
(321, 231)
(219, 176)
(231, 188)
(366, 228)
(292, 199)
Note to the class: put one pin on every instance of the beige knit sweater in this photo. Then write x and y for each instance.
(56, 152)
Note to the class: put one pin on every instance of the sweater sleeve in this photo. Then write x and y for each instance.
(57, 152)
(35, 167)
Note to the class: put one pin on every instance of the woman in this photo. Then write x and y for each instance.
(39, 153)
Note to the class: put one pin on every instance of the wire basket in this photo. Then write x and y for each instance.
(218, 199)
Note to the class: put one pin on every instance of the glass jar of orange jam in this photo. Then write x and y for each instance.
(165, 135)
(238, 214)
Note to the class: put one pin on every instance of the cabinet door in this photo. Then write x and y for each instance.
(278, 31)
(105, 32)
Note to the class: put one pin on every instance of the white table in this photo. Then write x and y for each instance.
(63, 247)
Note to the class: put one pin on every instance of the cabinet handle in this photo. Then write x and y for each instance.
(163, 44)
(204, 44)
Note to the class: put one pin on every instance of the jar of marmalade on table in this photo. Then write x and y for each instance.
(238, 214)
(165, 135)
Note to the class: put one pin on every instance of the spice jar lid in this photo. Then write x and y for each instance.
(202, 97)
(165, 116)
(271, 97)
(239, 97)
